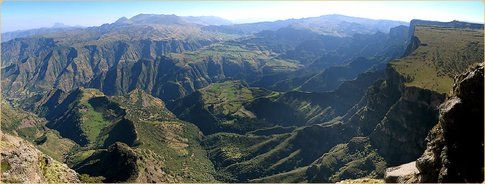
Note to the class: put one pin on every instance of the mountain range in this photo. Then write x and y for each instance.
(167, 98)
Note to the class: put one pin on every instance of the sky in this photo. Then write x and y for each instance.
(23, 15)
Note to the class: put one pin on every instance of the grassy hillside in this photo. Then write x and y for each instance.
(442, 54)
(135, 130)
(355, 159)
(221, 107)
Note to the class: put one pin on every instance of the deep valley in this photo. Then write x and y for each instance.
(167, 98)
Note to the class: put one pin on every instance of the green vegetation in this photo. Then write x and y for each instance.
(77, 155)
(5, 166)
(85, 178)
(142, 121)
(227, 98)
(443, 53)
(221, 107)
(55, 146)
(92, 122)
(305, 133)
(174, 146)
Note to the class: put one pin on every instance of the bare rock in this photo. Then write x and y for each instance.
(406, 173)
(23, 163)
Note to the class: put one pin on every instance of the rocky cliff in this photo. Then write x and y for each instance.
(454, 151)
(24, 163)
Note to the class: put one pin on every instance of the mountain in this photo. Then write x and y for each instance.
(124, 130)
(329, 60)
(207, 20)
(232, 106)
(334, 25)
(390, 115)
(56, 28)
(166, 98)
(166, 56)
(41, 159)
(220, 107)
(161, 19)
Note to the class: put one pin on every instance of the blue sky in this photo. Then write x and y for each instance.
(27, 15)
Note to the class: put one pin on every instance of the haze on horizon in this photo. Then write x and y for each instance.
(30, 15)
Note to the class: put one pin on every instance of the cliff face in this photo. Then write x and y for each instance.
(392, 115)
(454, 151)
(406, 124)
(455, 145)
(114, 67)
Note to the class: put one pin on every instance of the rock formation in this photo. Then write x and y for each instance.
(23, 163)
(454, 150)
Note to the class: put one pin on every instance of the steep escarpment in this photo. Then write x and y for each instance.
(415, 112)
(114, 67)
(452, 155)
(303, 108)
(383, 118)
(392, 114)
(406, 123)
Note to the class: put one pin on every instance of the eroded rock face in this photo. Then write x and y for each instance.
(23, 163)
(454, 150)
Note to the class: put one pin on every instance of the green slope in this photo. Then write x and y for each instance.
(163, 148)
(442, 54)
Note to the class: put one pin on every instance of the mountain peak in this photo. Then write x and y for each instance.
(59, 25)
(154, 19)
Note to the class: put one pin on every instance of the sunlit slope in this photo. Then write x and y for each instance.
(442, 53)
(129, 138)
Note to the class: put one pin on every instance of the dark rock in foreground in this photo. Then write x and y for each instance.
(454, 150)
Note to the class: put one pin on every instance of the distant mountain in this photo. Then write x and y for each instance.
(334, 25)
(58, 27)
(207, 20)
(173, 19)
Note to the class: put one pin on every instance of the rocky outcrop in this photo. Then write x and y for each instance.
(455, 146)
(116, 164)
(405, 173)
(454, 150)
(23, 163)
